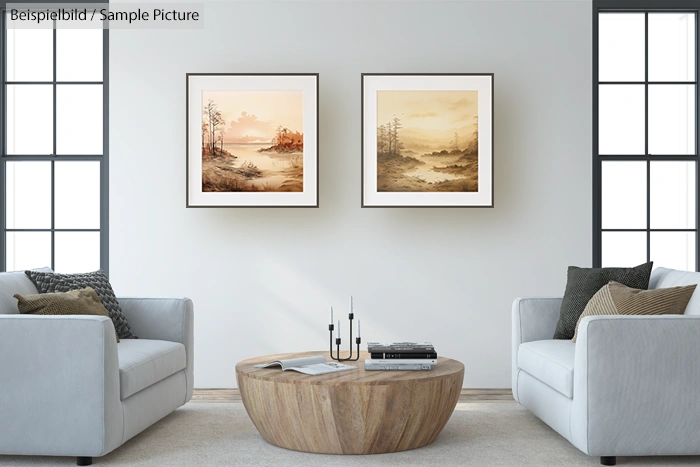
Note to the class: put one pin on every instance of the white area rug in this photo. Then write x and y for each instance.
(221, 434)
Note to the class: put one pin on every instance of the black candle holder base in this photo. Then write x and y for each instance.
(336, 357)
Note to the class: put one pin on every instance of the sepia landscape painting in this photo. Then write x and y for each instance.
(427, 141)
(252, 141)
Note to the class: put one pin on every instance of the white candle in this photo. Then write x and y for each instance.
(337, 331)
(358, 328)
(331, 320)
(350, 303)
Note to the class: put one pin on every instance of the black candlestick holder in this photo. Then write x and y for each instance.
(331, 328)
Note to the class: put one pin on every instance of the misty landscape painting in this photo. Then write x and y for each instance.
(427, 141)
(252, 141)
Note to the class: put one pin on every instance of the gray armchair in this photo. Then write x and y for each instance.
(627, 387)
(68, 389)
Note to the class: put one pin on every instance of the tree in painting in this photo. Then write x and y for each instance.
(252, 141)
(428, 142)
(214, 122)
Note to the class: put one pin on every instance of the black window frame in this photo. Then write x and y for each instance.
(103, 158)
(643, 6)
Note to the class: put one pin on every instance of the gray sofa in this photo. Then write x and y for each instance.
(627, 387)
(68, 389)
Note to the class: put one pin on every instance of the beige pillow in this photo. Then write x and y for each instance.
(618, 299)
(76, 302)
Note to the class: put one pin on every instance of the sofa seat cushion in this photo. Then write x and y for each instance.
(144, 362)
(550, 361)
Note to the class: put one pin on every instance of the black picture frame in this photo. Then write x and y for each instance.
(378, 192)
(256, 194)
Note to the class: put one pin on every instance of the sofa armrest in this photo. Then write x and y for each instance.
(59, 385)
(636, 381)
(533, 319)
(166, 319)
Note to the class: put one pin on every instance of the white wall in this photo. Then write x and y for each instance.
(262, 279)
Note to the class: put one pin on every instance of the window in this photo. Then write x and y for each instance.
(645, 126)
(54, 145)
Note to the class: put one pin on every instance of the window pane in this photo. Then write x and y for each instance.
(621, 119)
(675, 250)
(28, 250)
(77, 195)
(77, 252)
(30, 119)
(28, 195)
(621, 47)
(624, 249)
(624, 195)
(672, 195)
(671, 47)
(671, 119)
(79, 119)
(79, 54)
(29, 54)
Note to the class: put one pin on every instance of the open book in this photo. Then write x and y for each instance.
(308, 365)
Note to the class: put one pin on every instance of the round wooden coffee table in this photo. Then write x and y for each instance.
(351, 412)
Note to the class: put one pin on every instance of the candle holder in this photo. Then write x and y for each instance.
(331, 327)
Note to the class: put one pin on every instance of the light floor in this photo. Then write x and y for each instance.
(480, 433)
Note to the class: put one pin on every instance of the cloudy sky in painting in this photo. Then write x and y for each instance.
(253, 116)
(430, 116)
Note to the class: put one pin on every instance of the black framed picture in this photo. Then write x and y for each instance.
(252, 140)
(427, 140)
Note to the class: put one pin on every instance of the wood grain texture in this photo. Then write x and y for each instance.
(352, 412)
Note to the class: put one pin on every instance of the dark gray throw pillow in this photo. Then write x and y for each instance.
(48, 282)
(583, 283)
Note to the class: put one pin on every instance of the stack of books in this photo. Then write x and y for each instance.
(400, 356)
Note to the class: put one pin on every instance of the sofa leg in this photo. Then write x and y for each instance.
(88, 461)
(608, 460)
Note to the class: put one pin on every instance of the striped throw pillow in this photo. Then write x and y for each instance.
(618, 299)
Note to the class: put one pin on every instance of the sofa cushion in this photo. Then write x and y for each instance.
(617, 299)
(550, 361)
(53, 282)
(583, 283)
(663, 278)
(144, 362)
(76, 302)
(12, 283)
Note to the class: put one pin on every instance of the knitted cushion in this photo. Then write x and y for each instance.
(76, 302)
(583, 283)
(47, 282)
